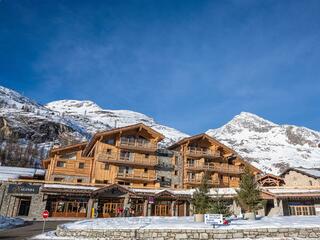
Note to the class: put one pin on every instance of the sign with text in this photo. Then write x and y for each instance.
(23, 188)
(151, 200)
(213, 219)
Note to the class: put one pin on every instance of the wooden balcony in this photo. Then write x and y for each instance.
(197, 181)
(138, 145)
(134, 160)
(71, 167)
(202, 153)
(214, 167)
(141, 177)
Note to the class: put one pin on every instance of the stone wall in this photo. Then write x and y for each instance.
(293, 178)
(165, 234)
(9, 203)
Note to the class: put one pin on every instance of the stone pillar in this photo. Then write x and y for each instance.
(191, 209)
(89, 208)
(275, 202)
(145, 208)
(185, 208)
(149, 209)
(281, 213)
(173, 203)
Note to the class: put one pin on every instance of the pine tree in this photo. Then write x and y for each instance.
(219, 205)
(249, 193)
(200, 198)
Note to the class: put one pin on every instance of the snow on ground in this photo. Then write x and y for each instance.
(185, 223)
(7, 222)
(188, 223)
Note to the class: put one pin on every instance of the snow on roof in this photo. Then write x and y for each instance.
(19, 172)
(212, 191)
(69, 186)
(310, 171)
(292, 190)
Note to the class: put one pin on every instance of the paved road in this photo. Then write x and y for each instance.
(26, 232)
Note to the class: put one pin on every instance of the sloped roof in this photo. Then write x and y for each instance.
(215, 141)
(96, 136)
(76, 147)
(311, 172)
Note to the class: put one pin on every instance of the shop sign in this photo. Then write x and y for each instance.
(151, 200)
(23, 188)
(213, 219)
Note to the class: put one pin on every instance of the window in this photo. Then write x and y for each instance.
(61, 164)
(109, 151)
(162, 179)
(58, 179)
(145, 184)
(176, 160)
(125, 155)
(110, 141)
(79, 180)
(176, 173)
(175, 186)
(145, 170)
(106, 166)
(146, 155)
(81, 165)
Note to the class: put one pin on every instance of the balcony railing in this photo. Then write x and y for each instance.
(198, 181)
(138, 144)
(215, 167)
(134, 159)
(144, 177)
(199, 152)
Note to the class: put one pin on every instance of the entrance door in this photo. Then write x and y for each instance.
(24, 206)
(163, 208)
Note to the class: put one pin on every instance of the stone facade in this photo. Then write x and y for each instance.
(293, 178)
(9, 202)
(169, 234)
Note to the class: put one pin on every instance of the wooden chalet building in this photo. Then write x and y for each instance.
(127, 156)
(202, 154)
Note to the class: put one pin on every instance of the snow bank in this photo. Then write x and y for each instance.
(7, 222)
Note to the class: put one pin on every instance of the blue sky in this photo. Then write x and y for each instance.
(191, 65)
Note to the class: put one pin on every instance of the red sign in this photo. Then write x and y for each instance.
(45, 214)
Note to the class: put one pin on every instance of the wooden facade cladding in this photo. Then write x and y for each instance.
(125, 156)
(202, 155)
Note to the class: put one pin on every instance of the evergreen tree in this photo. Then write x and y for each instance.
(249, 193)
(200, 198)
(219, 205)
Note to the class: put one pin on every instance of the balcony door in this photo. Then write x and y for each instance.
(125, 170)
(126, 155)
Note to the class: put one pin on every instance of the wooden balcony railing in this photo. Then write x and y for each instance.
(197, 181)
(134, 159)
(144, 177)
(215, 167)
(199, 152)
(138, 144)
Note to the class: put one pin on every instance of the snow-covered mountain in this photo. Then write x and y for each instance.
(93, 118)
(269, 146)
(25, 120)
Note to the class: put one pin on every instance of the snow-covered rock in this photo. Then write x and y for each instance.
(93, 118)
(269, 146)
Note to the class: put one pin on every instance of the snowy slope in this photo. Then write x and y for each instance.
(93, 118)
(269, 146)
(27, 120)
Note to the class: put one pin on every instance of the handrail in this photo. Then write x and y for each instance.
(200, 151)
(138, 176)
(137, 143)
(215, 167)
(135, 159)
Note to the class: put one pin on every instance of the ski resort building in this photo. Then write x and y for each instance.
(127, 156)
(202, 154)
(125, 172)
